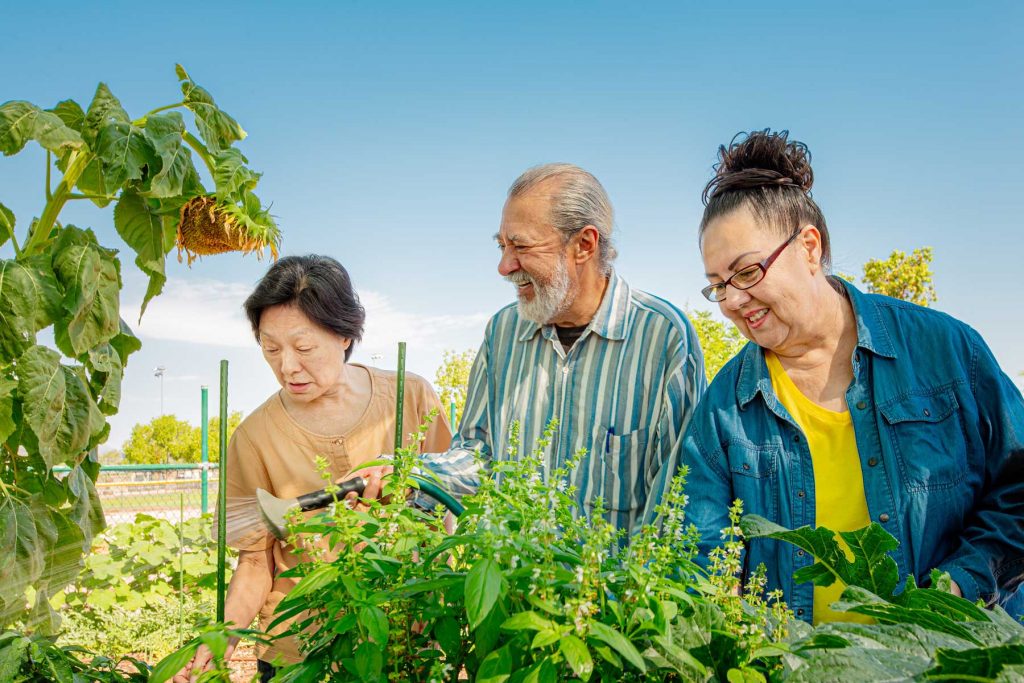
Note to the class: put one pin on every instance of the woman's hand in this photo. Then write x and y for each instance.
(374, 477)
(202, 661)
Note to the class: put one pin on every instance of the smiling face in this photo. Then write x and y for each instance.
(534, 258)
(779, 312)
(308, 361)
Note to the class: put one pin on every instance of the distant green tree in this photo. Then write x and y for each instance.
(452, 378)
(234, 419)
(902, 276)
(719, 341)
(166, 439)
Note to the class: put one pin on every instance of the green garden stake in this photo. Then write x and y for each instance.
(181, 567)
(400, 399)
(222, 491)
(204, 457)
(451, 415)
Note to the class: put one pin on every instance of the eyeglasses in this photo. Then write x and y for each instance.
(747, 277)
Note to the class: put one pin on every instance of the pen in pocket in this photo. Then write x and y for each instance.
(608, 439)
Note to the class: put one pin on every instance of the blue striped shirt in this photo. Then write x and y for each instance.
(624, 392)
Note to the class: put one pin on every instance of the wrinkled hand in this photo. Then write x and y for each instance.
(955, 589)
(374, 477)
(202, 661)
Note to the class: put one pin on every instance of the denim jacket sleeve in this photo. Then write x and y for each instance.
(988, 563)
(707, 479)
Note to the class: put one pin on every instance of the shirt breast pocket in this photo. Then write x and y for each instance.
(754, 476)
(927, 436)
(624, 470)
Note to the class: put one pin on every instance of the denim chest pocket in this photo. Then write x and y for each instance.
(753, 470)
(624, 470)
(927, 436)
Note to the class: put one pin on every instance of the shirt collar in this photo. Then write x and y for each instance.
(872, 335)
(609, 320)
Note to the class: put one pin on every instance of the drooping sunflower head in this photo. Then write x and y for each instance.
(210, 227)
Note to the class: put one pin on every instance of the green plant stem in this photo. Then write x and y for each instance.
(49, 163)
(74, 195)
(56, 202)
(142, 121)
(200, 149)
(14, 243)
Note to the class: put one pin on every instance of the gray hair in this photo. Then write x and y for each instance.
(580, 200)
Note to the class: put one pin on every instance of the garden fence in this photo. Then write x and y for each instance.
(157, 490)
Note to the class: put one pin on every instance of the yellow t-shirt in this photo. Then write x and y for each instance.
(839, 500)
(269, 450)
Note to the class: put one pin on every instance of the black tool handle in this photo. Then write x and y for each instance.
(321, 499)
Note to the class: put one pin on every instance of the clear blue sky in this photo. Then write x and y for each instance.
(388, 134)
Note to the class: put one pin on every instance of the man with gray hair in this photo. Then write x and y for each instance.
(619, 369)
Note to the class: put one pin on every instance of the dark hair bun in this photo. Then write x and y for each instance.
(761, 159)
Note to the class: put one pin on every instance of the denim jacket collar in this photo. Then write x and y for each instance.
(872, 335)
(609, 320)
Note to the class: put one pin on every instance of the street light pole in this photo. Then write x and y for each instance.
(158, 371)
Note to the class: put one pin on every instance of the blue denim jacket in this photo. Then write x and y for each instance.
(940, 433)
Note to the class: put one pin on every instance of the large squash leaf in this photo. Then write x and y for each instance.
(872, 567)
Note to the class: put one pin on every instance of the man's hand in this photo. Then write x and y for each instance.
(955, 589)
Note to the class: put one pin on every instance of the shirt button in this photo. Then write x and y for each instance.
(872, 462)
(927, 413)
(799, 612)
(796, 438)
(884, 517)
(861, 405)
(800, 494)
(800, 553)
(746, 466)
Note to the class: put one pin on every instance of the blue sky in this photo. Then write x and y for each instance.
(388, 134)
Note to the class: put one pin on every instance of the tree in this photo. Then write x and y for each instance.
(452, 378)
(166, 439)
(234, 419)
(903, 277)
(719, 341)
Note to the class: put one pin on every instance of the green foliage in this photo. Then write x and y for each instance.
(719, 341)
(902, 276)
(32, 659)
(61, 281)
(452, 380)
(166, 439)
(213, 636)
(526, 589)
(919, 634)
(144, 587)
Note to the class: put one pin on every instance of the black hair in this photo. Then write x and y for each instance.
(770, 175)
(318, 286)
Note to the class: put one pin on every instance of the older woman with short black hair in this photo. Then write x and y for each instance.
(307, 318)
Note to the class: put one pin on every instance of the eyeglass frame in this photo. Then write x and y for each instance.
(762, 266)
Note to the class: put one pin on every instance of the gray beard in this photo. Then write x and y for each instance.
(548, 300)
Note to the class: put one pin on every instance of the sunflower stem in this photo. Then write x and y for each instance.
(204, 153)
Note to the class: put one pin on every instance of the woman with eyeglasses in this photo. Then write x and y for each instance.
(846, 408)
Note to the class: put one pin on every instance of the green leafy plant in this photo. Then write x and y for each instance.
(54, 401)
(37, 659)
(144, 587)
(525, 589)
(213, 636)
(919, 634)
